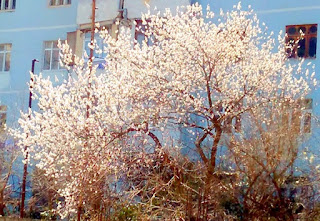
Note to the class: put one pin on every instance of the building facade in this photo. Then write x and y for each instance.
(31, 31)
(291, 19)
(27, 32)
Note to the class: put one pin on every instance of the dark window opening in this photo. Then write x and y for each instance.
(140, 34)
(301, 41)
(6, 4)
(312, 47)
(301, 48)
(59, 2)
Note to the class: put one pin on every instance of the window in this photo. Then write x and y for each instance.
(301, 41)
(307, 123)
(98, 52)
(140, 34)
(51, 56)
(306, 106)
(3, 117)
(5, 57)
(59, 2)
(232, 123)
(300, 116)
(7, 5)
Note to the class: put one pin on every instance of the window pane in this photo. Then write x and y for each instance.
(3, 119)
(55, 60)
(6, 4)
(8, 47)
(68, 2)
(60, 2)
(292, 31)
(305, 103)
(86, 47)
(140, 38)
(291, 50)
(55, 44)
(296, 120)
(313, 29)
(99, 46)
(307, 123)
(7, 62)
(313, 47)
(308, 103)
(13, 4)
(1, 61)
(47, 59)
(151, 40)
(3, 108)
(302, 29)
(99, 43)
(48, 44)
(1, 47)
(301, 47)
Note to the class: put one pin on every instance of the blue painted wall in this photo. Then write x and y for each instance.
(276, 14)
(33, 22)
(26, 28)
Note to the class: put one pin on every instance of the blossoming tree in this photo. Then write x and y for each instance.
(91, 131)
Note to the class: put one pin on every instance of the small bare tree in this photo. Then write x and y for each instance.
(8, 155)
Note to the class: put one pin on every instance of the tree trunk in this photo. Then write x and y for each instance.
(79, 214)
(2, 205)
(23, 188)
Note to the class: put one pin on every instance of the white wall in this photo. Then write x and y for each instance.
(136, 7)
(106, 10)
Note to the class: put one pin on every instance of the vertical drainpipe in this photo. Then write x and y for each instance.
(121, 6)
(121, 10)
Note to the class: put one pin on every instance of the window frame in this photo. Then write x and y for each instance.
(3, 117)
(87, 39)
(300, 117)
(12, 4)
(297, 36)
(139, 30)
(5, 52)
(99, 42)
(57, 3)
(306, 118)
(51, 49)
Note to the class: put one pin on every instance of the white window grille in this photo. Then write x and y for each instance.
(300, 118)
(59, 2)
(51, 56)
(5, 57)
(7, 5)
